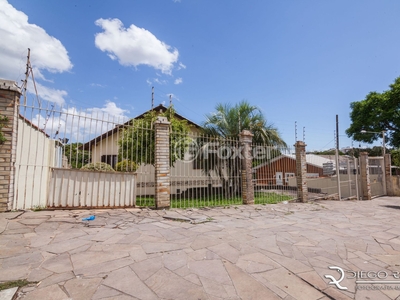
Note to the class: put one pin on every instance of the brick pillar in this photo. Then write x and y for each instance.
(161, 163)
(388, 175)
(245, 138)
(9, 99)
(301, 171)
(365, 181)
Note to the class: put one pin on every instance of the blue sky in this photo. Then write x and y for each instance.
(301, 61)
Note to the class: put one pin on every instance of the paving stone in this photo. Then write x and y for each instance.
(174, 259)
(104, 292)
(211, 269)
(334, 293)
(55, 279)
(22, 259)
(13, 272)
(291, 284)
(214, 288)
(103, 267)
(58, 264)
(157, 247)
(53, 292)
(146, 268)
(82, 288)
(64, 246)
(38, 274)
(126, 281)
(87, 259)
(246, 286)
(226, 251)
(168, 285)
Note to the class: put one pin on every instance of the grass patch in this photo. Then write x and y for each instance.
(14, 283)
(216, 200)
(270, 198)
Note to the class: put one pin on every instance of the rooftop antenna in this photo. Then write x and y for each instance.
(170, 100)
(295, 131)
(304, 134)
(152, 98)
(26, 74)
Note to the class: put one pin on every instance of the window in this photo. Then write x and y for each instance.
(109, 159)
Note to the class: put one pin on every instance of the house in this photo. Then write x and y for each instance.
(280, 169)
(104, 148)
(184, 174)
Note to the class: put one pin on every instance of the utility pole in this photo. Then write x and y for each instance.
(337, 158)
(27, 74)
(152, 98)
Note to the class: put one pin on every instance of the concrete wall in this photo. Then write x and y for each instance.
(36, 154)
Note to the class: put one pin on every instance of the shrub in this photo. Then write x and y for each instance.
(3, 123)
(126, 166)
(99, 166)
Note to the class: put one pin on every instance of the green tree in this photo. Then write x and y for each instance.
(3, 123)
(76, 157)
(137, 144)
(376, 113)
(224, 126)
(228, 121)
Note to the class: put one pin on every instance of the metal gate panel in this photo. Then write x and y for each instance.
(79, 188)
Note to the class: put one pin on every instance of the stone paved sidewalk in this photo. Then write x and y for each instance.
(277, 251)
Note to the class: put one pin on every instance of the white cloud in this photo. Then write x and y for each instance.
(47, 52)
(49, 94)
(134, 46)
(17, 35)
(181, 66)
(178, 81)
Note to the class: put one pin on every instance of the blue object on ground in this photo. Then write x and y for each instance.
(90, 218)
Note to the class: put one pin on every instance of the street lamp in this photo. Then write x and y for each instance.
(383, 139)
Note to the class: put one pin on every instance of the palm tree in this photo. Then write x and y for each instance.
(228, 121)
(224, 126)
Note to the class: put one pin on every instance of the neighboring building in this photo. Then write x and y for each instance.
(280, 169)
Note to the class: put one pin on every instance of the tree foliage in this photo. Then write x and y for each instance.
(137, 141)
(376, 113)
(76, 156)
(3, 123)
(126, 166)
(225, 125)
(228, 121)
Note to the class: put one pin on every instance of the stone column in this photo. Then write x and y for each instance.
(245, 138)
(388, 175)
(9, 99)
(301, 171)
(161, 163)
(365, 181)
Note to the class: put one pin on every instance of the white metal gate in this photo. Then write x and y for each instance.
(78, 188)
(50, 154)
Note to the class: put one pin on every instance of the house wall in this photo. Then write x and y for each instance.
(36, 153)
(183, 175)
(107, 146)
(266, 175)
